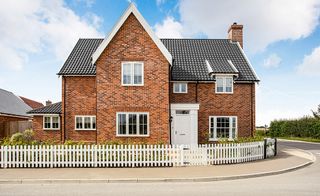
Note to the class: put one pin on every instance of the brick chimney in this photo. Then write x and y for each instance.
(48, 102)
(235, 33)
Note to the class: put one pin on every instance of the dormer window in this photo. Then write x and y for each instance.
(224, 84)
(132, 74)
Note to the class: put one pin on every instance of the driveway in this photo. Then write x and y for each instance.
(304, 181)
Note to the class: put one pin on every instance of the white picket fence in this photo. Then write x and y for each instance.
(128, 155)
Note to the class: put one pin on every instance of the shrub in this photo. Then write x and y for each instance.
(302, 127)
(24, 138)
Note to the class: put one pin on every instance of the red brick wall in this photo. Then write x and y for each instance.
(45, 135)
(132, 43)
(241, 104)
(79, 99)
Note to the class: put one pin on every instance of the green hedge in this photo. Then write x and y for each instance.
(303, 127)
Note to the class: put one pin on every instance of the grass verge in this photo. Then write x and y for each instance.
(305, 139)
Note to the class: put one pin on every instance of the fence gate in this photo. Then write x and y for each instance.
(193, 155)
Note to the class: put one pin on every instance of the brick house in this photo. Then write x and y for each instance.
(133, 86)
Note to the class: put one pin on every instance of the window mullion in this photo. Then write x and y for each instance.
(51, 123)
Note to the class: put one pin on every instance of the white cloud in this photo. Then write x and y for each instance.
(169, 28)
(273, 61)
(311, 63)
(264, 21)
(40, 27)
(159, 2)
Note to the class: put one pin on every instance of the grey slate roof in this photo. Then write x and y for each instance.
(190, 54)
(189, 57)
(222, 67)
(50, 109)
(79, 61)
(12, 104)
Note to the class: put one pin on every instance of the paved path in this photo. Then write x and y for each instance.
(304, 181)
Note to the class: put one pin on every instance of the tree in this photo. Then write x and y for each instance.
(316, 114)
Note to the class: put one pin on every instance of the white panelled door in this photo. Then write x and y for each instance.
(184, 125)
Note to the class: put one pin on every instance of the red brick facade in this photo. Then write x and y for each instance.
(241, 104)
(132, 43)
(44, 135)
(78, 98)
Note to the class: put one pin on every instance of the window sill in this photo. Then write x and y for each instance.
(58, 129)
(85, 129)
(128, 85)
(220, 139)
(228, 93)
(180, 92)
(132, 135)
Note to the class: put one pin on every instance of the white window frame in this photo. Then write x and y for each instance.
(230, 128)
(83, 116)
(132, 74)
(51, 122)
(127, 125)
(180, 88)
(224, 84)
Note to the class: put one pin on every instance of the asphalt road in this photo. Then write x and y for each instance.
(304, 181)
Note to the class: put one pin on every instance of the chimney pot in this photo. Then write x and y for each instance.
(235, 33)
(48, 102)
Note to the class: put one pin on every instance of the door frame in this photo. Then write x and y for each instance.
(193, 108)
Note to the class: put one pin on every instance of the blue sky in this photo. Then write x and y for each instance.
(285, 51)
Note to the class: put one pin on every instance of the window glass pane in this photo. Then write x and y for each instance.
(234, 124)
(126, 75)
(132, 124)
(122, 124)
(229, 84)
(79, 122)
(137, 73)
(143, 124)
(176, 87)
(93, 122)
(182, 111)
(223, 125)
(219, 83)
(47, 122)
(183, 88)
(211, 131)
(55, 122)
(87, 122)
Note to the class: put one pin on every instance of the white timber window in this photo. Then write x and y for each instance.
(222, 127)
(51, 122)
(85, 122)
(132, 124)
(132, 74)
(180, 88)
(224, 84)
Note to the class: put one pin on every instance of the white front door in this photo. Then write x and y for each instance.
(184, 125)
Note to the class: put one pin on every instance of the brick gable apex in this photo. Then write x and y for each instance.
(131, 10)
